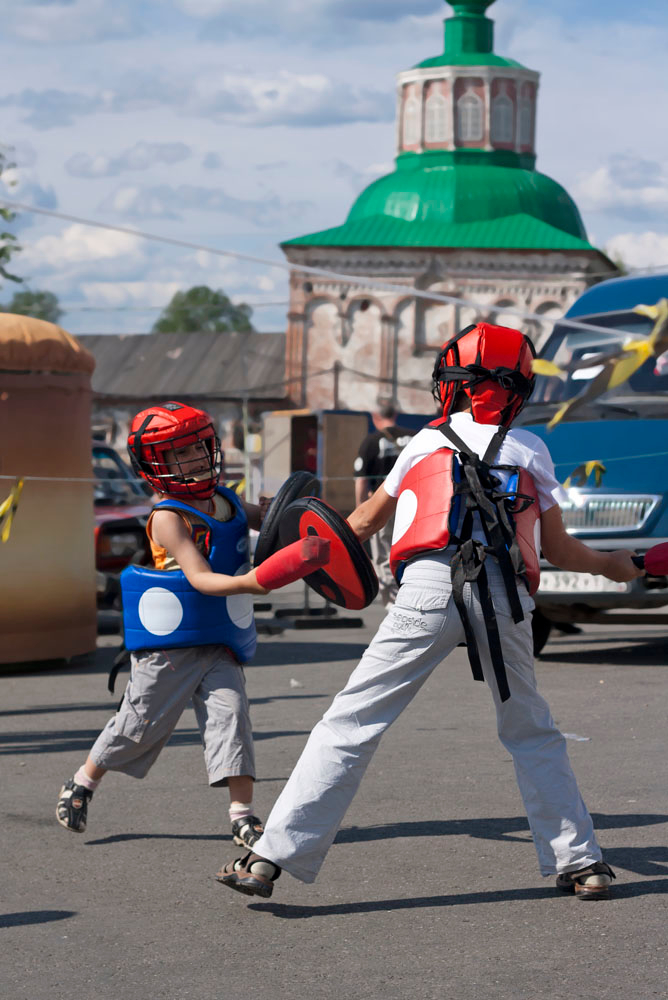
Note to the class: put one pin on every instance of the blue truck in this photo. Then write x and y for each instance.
(614, 450)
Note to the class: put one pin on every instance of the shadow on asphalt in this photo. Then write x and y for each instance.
(22, 743)
(289, 912)
(498, 828)
(111, 705)
(34, 917)
(122, 838)
(646, 861)
(639, 652)
(274, 654)
(269, 654)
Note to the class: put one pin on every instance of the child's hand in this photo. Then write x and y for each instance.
(620, 566)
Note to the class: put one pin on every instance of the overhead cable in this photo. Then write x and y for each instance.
(350, 279)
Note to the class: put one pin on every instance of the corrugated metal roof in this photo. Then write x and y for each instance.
(170, 365)
(512, 232)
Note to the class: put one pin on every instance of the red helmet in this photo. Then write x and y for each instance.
(173, 426)
(492, 364)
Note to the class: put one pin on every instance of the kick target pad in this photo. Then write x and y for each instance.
(348, 579)
(299, 484)
(655, 560)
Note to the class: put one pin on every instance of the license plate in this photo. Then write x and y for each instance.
(564, 582)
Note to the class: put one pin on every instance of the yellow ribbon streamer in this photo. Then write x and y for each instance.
(540, 366)
(238, 486)
(617, 366)
(8, 509)
(581, 474)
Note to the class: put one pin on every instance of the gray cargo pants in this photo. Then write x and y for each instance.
(161, 684)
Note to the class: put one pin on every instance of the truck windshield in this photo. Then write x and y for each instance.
(568, 344)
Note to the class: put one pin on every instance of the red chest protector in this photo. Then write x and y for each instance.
(429, 508)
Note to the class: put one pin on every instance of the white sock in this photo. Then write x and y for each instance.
(240, 809)
(81, 778)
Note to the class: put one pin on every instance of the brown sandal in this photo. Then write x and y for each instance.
(588, 883)
(252, 875)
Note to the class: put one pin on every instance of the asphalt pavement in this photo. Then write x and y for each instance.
(432, 888)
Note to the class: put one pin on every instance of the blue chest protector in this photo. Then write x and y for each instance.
(161, 610)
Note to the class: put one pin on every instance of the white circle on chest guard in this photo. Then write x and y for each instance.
(240, 606)
(160, 611)
(405, 514)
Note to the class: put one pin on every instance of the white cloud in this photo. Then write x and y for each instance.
(212, 161)
(78, 244)
(359, 179)
(70, 21)
(53, 108)
(649, 249)
(125, 293)
(317, 19)
(141, 156)
(281, 98)
(628, 187)
(287, 98)
(167, 202)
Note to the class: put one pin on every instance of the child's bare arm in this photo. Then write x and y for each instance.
(171, 532)
(566, 552)
(372, 514)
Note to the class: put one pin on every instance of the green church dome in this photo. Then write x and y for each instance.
(445, 190)
(475, 194)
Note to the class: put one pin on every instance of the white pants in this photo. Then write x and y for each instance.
(419, 632)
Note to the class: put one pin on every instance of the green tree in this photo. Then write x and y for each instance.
(203, 309)
(8, 242)
(41, 305)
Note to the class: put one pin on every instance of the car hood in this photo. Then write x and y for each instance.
(633, 452)
(121, 512)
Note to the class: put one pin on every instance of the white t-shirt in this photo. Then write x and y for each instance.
(520, 447)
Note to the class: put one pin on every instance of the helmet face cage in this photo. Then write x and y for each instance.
(492, 365)
(158, 435)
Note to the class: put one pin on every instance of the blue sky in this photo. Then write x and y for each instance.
(236, 125)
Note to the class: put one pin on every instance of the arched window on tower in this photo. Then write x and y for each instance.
(436, 118)
(411, 121)
(502, 118)
(526, 122)
(469, 118)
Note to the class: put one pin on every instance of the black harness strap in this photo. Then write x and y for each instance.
(121, 661)
(481, 494)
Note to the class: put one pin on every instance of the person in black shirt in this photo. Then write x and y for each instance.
(377, 454)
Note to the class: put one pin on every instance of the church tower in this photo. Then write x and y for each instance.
(464, 214)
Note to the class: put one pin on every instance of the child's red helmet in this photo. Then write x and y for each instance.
(172, 426)
(492, 364)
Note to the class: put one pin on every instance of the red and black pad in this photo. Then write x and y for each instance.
(655, 560)
(349, 579)
(299, 484)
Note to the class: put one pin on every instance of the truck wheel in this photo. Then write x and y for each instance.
(541, 627)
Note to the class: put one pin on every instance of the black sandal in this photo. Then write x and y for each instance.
(252, 875)
(247, 831)
(72, 806)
